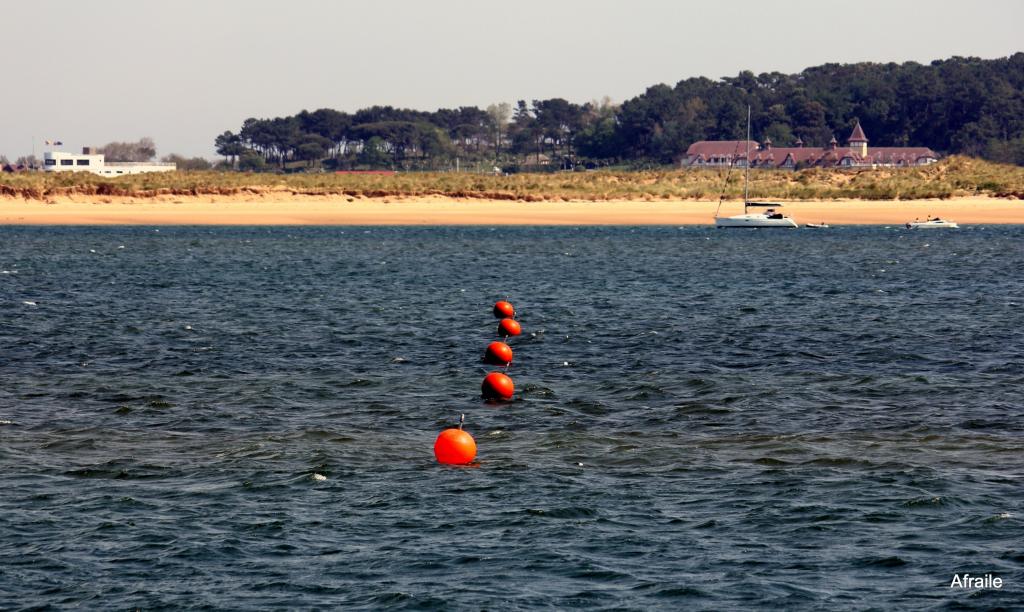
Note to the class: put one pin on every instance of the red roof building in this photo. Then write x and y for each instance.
(708, 153)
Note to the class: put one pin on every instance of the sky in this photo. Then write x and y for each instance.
(181, 72)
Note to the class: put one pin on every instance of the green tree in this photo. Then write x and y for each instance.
(312, 147)
(140, 151)
(27, 161)
(1006, 151)
(230, 146)
(251, 161)
(374, 153)
(329, 124)
(527, 134)
(433, 143)
(500, 114)
(559, 121)
(185, 163)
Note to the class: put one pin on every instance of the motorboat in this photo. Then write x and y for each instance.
(935, 223)
(821, 225)
(771, 217)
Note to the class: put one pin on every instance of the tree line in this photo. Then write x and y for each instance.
(144, 150)
(960, 105)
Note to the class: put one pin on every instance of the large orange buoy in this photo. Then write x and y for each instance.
(498, 353)
(454, 447)
(497, 386)
(503, 309)
(509, 327)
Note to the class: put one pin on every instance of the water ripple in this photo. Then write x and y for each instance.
(703, 420)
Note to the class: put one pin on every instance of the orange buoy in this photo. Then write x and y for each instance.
(454, 447)
(503, 309)
(497, 386)
(498, 353)
(509, 327)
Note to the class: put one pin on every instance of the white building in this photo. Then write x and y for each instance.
(88, 161)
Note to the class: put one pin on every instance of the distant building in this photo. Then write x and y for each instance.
(91, 161)
(707, 153)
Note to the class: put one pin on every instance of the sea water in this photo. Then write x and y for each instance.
(196, 417)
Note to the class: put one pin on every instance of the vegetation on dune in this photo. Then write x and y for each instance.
(952, 177)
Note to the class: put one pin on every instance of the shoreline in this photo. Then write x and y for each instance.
(296, 209)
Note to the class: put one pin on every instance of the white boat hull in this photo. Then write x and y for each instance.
(755, 220)
(937, 224)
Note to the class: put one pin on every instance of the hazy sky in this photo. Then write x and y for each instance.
(182, 72)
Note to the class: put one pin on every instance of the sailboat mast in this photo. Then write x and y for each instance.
(746, 165)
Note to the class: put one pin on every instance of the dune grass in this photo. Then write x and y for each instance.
(951, 177)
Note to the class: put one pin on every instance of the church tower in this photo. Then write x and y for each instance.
(858, 141)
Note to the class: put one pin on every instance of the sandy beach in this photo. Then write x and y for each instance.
(288, 209)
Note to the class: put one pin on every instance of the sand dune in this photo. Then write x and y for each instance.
(436, 210)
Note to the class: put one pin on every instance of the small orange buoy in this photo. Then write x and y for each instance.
(498, 353)
(503, 309)
(509, 327)
(454, 447)
(497, 386)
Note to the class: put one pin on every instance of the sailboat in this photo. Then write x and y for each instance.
(769, 218)
(935, 223)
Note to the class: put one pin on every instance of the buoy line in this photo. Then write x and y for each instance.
(498, 386)
(456, 446)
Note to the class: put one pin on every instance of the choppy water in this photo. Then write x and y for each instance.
(704, 419)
